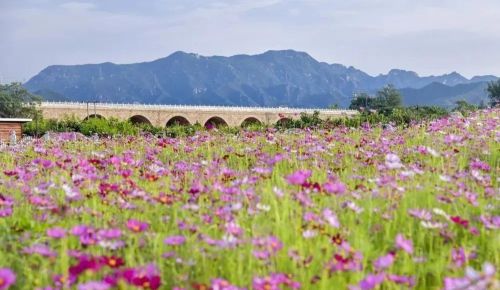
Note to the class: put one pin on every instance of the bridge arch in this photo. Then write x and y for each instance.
(92, 116)
(139, 120)
(250, 121)
(178, 120)
(215, 122)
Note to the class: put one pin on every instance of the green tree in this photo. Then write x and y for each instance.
(388, 98)
(362, 100)
(494, 93)
(464, 108)
(16, 101)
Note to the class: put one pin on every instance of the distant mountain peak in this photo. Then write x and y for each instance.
(272, 78)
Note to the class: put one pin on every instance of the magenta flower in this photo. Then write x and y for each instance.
(146, 277)
(404, 244)
(175, 240)
(56, 232)
(137, 226)
(299, 177)
(335, 187)
(7, 278)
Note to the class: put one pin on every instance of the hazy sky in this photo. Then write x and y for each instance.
(427, 36)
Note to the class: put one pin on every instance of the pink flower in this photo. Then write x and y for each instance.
(137, 226)
(384, 261)
(404, 244)
(402, 280)
(458, 257)
(335, 187)
(299, 177)
(7, 278)
(94, 285)
(331, 218)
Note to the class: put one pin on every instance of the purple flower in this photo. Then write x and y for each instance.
(458, 257)
(299, 177)
(404, 244)
(384, 261)
(7, 278)
(94, 285)
(392, 161)
(175, 240)
(56, 232)
(371, 281)
(40, 249)
(402, 280)
(109, 234)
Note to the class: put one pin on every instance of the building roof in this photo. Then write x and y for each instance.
(15, 120)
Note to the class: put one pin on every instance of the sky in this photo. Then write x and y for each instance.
(430, 37)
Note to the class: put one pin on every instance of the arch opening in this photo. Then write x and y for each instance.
(93, 116)
(178, 121)
(139, 120)
(215, 122)
(250, 121)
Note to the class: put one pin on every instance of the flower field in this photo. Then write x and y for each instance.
(366, 208)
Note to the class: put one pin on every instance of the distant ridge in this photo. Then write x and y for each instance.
(274, 78)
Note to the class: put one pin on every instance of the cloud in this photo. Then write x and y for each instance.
(427, 36)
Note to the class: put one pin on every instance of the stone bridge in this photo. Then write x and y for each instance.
(167, 115)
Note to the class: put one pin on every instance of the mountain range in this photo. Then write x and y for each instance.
(274, 78)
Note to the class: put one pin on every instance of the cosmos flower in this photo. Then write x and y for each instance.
(299, 177)
(175, 240)
(94, 285)
(137, 226)
(56, 232)
(335, 187)
(392, 161)
(404, 244)
(384, 262)
(7, 278)
(146, 277)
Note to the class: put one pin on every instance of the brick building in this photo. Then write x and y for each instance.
(7, 125)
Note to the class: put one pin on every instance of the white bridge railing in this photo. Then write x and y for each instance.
(194, 107)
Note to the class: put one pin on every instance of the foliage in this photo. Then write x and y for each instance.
(464, 107)
(342, 208)
(494, 93)
(387, 99)
(361, 102)
(17, 102)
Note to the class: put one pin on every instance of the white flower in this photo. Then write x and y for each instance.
(441, 212)
(263, 207)
(432, 225)
(309, 234)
